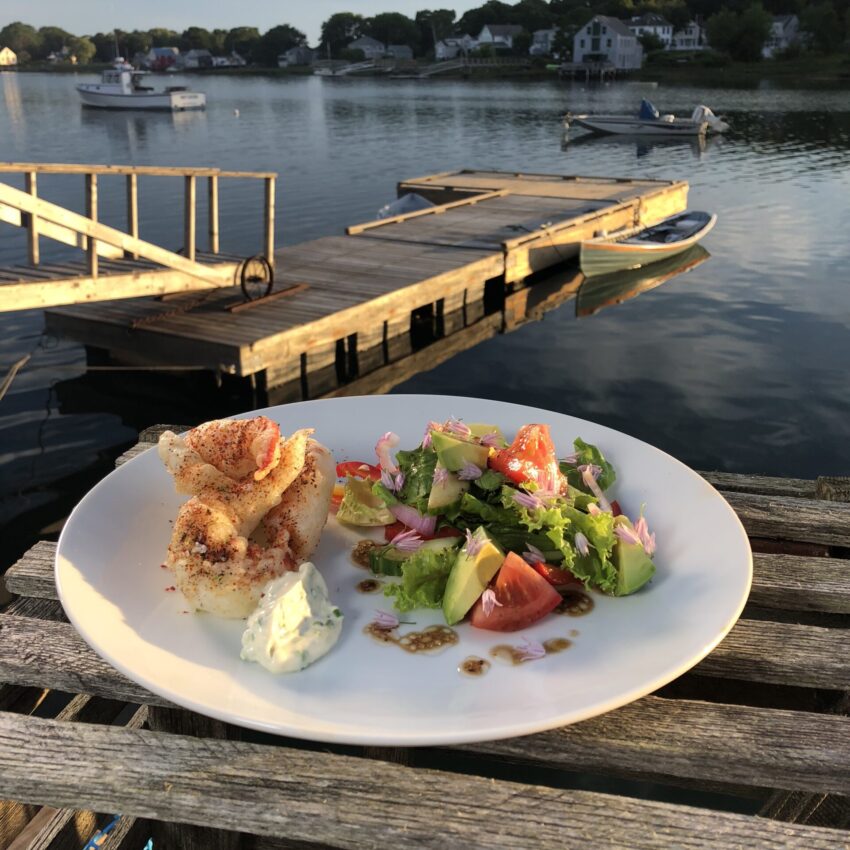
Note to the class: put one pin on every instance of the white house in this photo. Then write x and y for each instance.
(371, 47)
(499, 36)
(692, 37)
(399, 51)
(604, 39)
(7, 57)
(541, 42)
(784, 31)
(195, 59)
(453, 46)
(652, 23)
(301, 55)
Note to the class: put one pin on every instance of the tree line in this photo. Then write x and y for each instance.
(735, 27)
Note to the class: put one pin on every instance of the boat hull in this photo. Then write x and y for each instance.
(626, 126)
(169, 101)
(609, 255)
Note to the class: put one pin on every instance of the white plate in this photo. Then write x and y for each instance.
(114, 591)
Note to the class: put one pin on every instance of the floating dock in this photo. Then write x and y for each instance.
(347, 297)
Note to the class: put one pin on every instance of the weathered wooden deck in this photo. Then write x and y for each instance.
(362, 288)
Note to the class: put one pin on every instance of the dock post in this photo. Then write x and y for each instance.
(212, 185)
(132, 210)
(269, 247)
(91, 212)
(32, 227)
(189, 217)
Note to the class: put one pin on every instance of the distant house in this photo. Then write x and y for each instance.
(784, 31)
(541, 42)
(652, 23)
(193, 59)
(8, 57)
(160, 58)
(604, 39)
(371, 47)
(453, 46)
(691, 37)
(301, 55)
(399, 51)
(499, 36)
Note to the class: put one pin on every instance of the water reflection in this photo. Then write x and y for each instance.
(697, 146)
(136, 132)
(12, 97)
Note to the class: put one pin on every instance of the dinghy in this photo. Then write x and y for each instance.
(635, 247)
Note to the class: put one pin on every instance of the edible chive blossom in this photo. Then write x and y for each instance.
(394, 483)
(407, 541)
(473, 544)
(441, 475)
(527, 500)
(570, 459)
(647, 539)
(533, 555)
(531, 650)
(455, 426)
(383, 449)
(470, 472)
(491, 440)
(426, 439)
(589, 474)
(582, 544)
(627, 534)
(385, 620)
(489, 602)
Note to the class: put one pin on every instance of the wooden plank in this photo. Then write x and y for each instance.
(759, 747)
(150, 170)
(189, 216)
(32, 574)
(32, 228)
(736, 482)
(133, 208)
(212, 212)
(794, 583)
(268, 220)
(792, 518)
(345, 802)
(91, 215)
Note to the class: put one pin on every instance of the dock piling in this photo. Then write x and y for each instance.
(91, 213)
(32, 228)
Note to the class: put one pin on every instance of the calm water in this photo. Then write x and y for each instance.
(739, 365)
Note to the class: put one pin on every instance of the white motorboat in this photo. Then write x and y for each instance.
(648, 122)
(120, 88)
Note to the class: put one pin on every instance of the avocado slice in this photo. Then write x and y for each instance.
(634, 566)
(470, 576)
(454, 453)
(445, 493)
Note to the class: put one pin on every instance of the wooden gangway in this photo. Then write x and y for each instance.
(358, 291)
(114, 263)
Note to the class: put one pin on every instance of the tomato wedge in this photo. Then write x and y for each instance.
(530, 457)
(556, 576)
(524, 597)
(358, 469)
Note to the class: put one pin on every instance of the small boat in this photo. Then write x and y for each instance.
(635, 247)
(120, 88)
(597, 293)
(648, 122)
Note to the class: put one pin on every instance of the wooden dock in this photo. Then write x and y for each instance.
(357, 291)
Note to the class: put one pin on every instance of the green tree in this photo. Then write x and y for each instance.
(340, 29)
(104, 43)
(218, 38)
(53, 39)
(650, 42)
(278, 40)
(21, 37)
(433, 27)
(823, 25)
(195, 38)
(522, 43)
(162, 37)
(245, 41)
(135, 42)
(740, 35)
(83, 48)
(492, 12)
(532, 15)
(392, 28)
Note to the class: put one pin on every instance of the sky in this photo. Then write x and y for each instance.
(84, 17)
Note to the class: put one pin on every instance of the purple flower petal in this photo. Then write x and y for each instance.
(647, 539)
(627, 534)
(470, 472)
(582, 543)
(383, 449)
(489, 602)
(407, 541)
(426, 440)
(527, 500)
(441, 475)
(455, 426)
(385, 620)
(533, 555)
(473, 544)
(531, 650)
(491, 440)
(571, 459)
(589, 474)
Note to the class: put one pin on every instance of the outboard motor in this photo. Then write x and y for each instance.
(703, 113)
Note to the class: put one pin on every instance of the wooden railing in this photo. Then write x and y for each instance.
(67, 229)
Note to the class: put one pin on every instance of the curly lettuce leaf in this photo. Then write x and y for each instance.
(423, 579)
(360, 506)
(418, 468)
(596, 569)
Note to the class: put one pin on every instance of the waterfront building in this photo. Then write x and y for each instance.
(691, 37)
(604, 39)
(541, 41)
(371, 47)
(450, 48)
(784, 31)
(652, 23)
(399, 51)
(160, 58)
(7, 57)
(499, 36)
(195, 59)
(300, 55)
